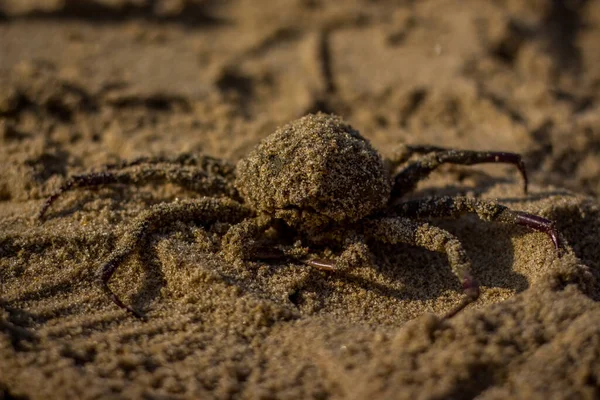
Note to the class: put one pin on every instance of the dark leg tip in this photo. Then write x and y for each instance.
(511, 158)
(127, 308)
(523, 171)
(471, 291)
(319, 263)
(556, 240)
(541, 225)
(115, 299)
(42, 213)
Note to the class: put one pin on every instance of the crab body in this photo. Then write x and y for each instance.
(314, 172)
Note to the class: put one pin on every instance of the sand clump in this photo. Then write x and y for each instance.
(157, 79)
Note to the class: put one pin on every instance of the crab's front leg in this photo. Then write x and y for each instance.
(402, 230)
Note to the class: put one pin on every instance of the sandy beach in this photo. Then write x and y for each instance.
(89, 83)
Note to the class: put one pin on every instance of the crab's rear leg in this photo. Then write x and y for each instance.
(408, 178)
(205, 210)
(454, 207)
(421, 234)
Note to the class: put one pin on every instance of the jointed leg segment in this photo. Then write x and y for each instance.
(189, 177)
(454, 207)
(402, 230)
(406, 180)
(205, 210)
(404, 152)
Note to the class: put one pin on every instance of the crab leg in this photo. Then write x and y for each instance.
(206, 163)
(206, 210)
(192, 178)
(403, 152)
(454, 207)
(421, 234)
(408, 178)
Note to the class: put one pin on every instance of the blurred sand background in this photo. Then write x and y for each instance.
(85, 83)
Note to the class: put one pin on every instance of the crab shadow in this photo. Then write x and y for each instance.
(425, 275)
(415, 274)
(411, 274)
(403, 273)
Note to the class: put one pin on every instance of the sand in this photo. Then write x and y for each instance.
(83, 84)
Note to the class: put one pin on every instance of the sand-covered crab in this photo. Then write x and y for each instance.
(318, 182)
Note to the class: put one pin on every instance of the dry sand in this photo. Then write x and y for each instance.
(87, 83)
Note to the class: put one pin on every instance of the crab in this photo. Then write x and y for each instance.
(314, 182)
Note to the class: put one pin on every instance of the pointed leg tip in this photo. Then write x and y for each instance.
(523, 170)
(319, 263)
(558, 244)
(471, 292)
(41, 214)
(127, 308)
